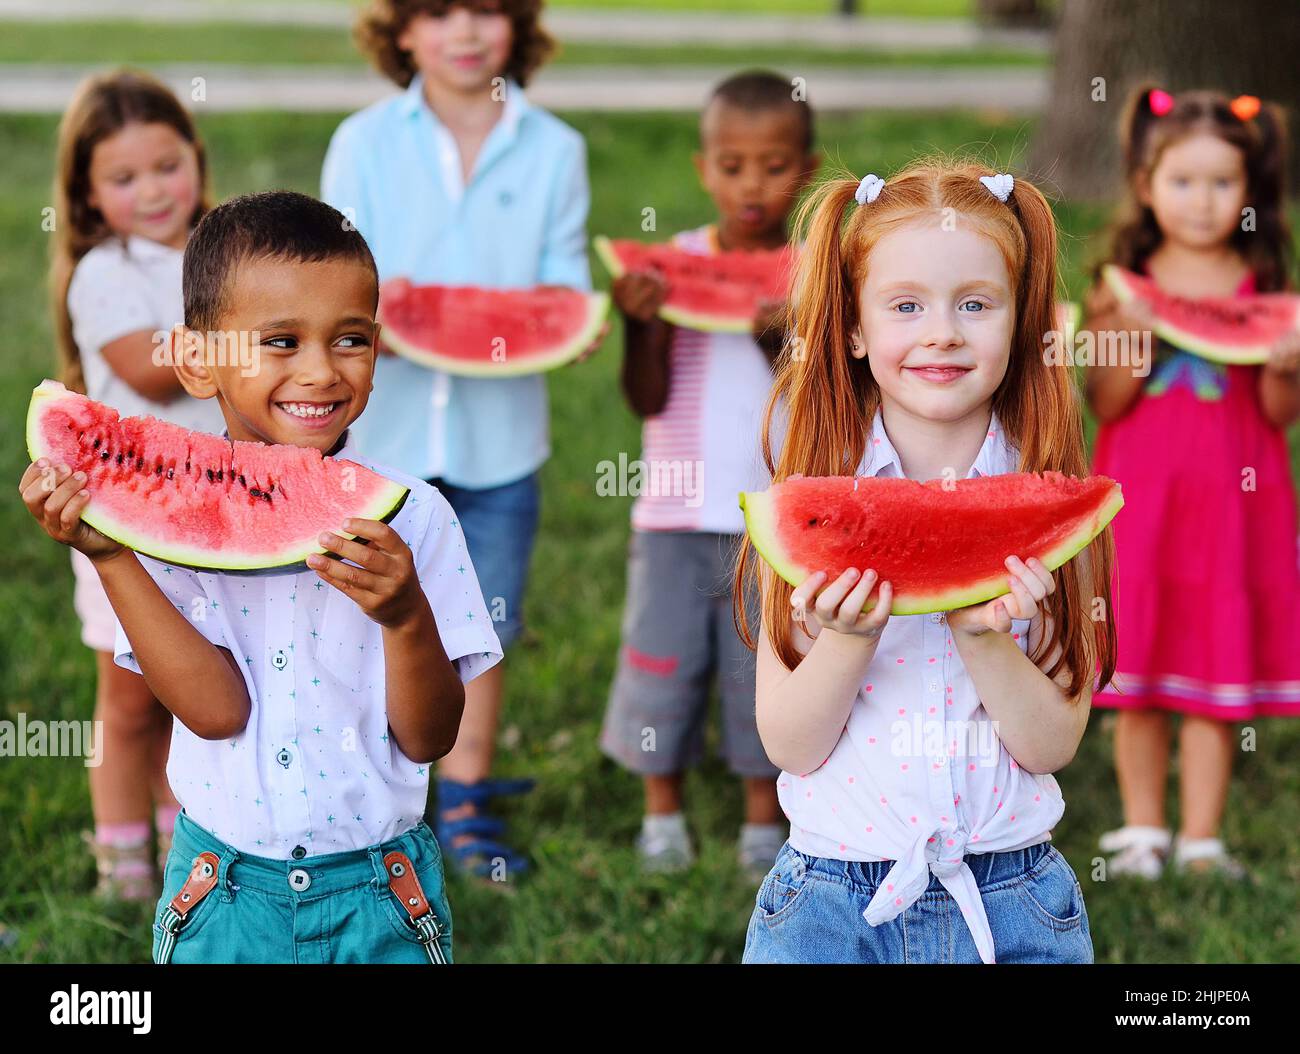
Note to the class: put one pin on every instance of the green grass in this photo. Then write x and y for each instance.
(260, 45)
(585, 900)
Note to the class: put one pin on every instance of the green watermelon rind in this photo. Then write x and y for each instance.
(537, 362)
(705, 321)
(385, 504)
(1226, 354)
(760, 523)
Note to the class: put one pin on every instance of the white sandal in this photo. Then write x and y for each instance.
(1139, 851)
(1206, 855)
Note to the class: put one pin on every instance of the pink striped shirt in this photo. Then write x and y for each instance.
(703, 449)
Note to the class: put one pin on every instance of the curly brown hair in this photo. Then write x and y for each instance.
(380, 24)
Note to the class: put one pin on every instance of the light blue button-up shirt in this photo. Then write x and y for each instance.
(394, 169)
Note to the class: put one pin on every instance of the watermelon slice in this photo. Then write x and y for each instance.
(475, 332)
(199, 500)
(1237, 330)
(941, 544)
(718, 293)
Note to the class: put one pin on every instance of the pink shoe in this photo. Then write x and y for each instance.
(124, 872)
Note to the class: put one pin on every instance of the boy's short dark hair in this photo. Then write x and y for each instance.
(279, 224)
(756, 90)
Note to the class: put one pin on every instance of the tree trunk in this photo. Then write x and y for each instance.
(1104, 48)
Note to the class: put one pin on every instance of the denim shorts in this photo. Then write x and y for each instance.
(500, 525)
(347, 914)
(809, 910)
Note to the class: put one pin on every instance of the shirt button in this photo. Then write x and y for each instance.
(299, 880)
(279, 660)
(298, 852)
(284, 757)
(934, 686)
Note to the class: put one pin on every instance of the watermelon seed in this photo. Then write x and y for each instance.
(220, 474)
(241, 480)
(254, 493)
(158, 471)
(812, 522)
(105, 456)
(139, 463)
(169, 472)
(209, 475)
(97, 442)
(119, 457)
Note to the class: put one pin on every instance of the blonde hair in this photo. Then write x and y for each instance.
(831, 398)
(101, 106)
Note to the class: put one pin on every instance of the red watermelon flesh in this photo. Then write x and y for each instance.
(199, 500)
(1237, 330)
(475, 332)
(719, 292)
(941, 544)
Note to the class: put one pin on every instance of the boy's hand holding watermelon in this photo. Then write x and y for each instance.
(768, 329)
(56, 497)
(639, 294)
(596, 341)
(384, 584)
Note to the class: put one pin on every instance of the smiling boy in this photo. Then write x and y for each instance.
(309, 706)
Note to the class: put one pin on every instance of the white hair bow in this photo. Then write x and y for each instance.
(999, 185)
(869, 189)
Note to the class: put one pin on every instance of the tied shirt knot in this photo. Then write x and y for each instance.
(940, 853)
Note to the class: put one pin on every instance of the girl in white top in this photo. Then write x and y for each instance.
(129, 186)
(917, 750)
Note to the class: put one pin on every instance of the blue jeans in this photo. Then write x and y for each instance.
(809, 910)
(500, 525)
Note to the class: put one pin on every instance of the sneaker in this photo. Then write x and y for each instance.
(758, 846)
(663, 843)
(1139, 851)
(1202, 856)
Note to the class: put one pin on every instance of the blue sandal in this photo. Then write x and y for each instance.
(481, 854)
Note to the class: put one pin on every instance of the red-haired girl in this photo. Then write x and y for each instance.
(920, 308)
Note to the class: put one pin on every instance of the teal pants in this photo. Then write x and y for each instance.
(264, 911)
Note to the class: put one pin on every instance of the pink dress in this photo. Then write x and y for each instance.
(1207, 585)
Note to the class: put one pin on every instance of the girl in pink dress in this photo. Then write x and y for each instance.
(1207, 590)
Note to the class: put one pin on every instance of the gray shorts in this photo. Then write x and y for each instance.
(677, 635)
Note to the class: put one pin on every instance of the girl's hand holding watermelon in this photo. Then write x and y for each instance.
(1284, 356)
(639, 294)
(56, 497)
(1030, 583)
(839, 606)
